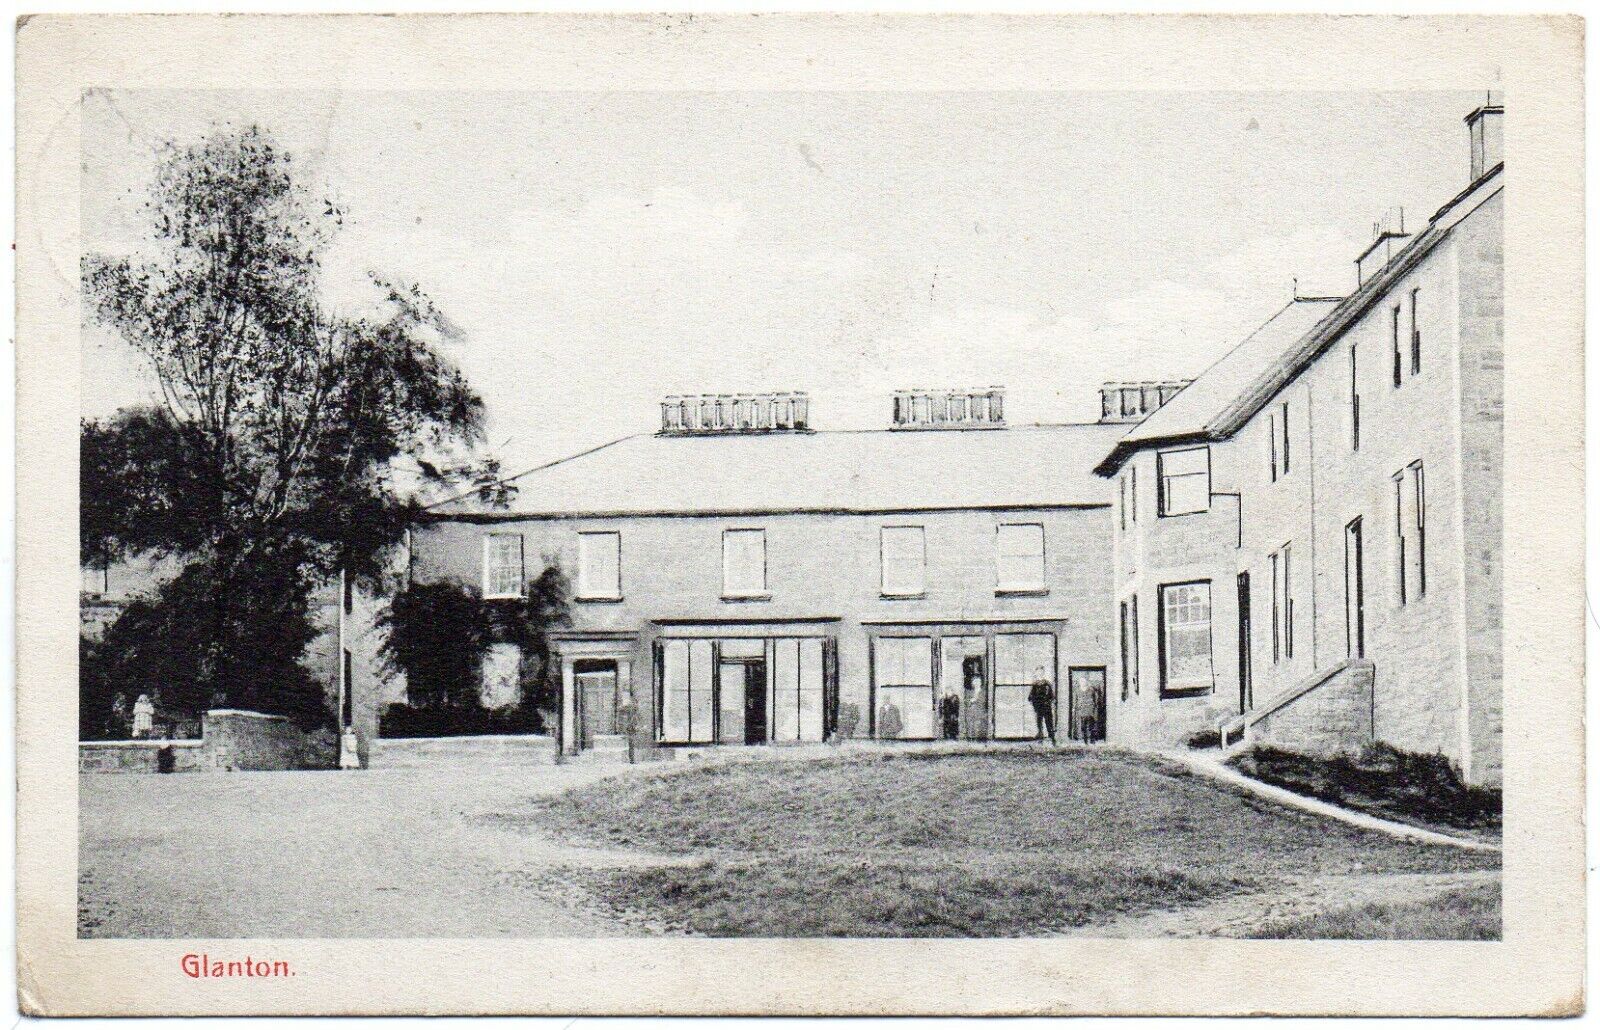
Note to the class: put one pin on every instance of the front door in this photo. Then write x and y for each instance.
(597, 699)
(755, 702)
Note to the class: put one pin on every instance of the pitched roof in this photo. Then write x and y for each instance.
(845, 471)
(1192, 413)
(1229, 393)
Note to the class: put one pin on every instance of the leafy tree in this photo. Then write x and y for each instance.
(270, 460)
(437, 634)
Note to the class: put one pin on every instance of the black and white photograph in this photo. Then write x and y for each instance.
(1058, 515)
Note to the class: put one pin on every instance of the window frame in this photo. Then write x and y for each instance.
(1164, 492)
(1013, 589)
(1416, 335)
(1355, 402)
(874, 654)
(1283, 426)
(765, 592)
(883, 562)
(1163, 644)
(522, 567)
(1128, 642)
(579, 594)
(1394, 339)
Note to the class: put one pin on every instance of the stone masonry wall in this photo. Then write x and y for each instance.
(1327, 716)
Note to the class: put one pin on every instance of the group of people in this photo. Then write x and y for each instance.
(1041, 695)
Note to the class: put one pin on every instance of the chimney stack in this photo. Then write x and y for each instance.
(730, 413)
(1483, 125)
(1132, 402)
(981, 408)
(1388, 239)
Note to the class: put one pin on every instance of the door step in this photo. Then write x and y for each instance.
(605, 750)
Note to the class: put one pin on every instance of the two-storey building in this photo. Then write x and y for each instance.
(741, 578)
(1308, 536)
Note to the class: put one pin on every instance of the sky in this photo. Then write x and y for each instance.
(600, 250)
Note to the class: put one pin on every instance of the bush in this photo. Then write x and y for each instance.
(402, 720)
(1382, 780)
(1202, 740)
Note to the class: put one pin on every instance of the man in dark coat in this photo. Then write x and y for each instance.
(1043, 697)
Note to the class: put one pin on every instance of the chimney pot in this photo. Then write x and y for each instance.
(1485, 132)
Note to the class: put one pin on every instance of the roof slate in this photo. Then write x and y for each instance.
(847, 471)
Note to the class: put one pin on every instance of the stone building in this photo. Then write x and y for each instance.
(742, 578)
(1307, 538)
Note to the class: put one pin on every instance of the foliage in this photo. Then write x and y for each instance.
(1204, 740)
(279, 427)
(457, 720)
(256, 642)
(438, 634)
(1381, 780)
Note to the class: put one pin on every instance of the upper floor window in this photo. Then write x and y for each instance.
(1394, 339)
(744, 563)
(1019, 557)
(1272, 445)
(1410, 518)
(1185, 481)
(1283, 427)
(599, 566)
(904, 557)
(502, 565)
(1185, 637)
(1355, 404)
(1133, 493)
(1416, 336)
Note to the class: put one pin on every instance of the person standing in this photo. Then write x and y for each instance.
(144, 712)
(1043, 696)
(950, 715)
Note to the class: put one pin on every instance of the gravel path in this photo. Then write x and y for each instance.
(382, 853)
(1242, 915)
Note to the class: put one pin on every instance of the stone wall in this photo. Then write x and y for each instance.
(1328, 714)
(233, 741)
(139, 756)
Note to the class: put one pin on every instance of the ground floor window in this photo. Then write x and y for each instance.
(903, 674)
(1185, 637)
(974, 684)
(1020, 661)
(744, 690)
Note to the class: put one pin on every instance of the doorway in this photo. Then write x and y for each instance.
(1086, 704)
(1246, 687)
(963, 688)
(755, 702)
(596, 681)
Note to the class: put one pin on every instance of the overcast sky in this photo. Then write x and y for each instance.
(601, 250)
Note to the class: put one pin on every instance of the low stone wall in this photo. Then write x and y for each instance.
(1328, 714)
(455, 752)
(139, 756)
(231, 741)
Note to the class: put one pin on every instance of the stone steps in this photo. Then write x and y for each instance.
(607, 750)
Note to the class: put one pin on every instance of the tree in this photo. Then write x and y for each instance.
(270, 460)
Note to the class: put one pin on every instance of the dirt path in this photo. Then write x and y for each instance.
(387, 853)
(1243, 914)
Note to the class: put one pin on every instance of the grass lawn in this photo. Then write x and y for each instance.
(1422, 790)
(1003, 843)
(1468, 914)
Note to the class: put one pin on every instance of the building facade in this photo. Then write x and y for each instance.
(755, 582)
(1308, 537)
